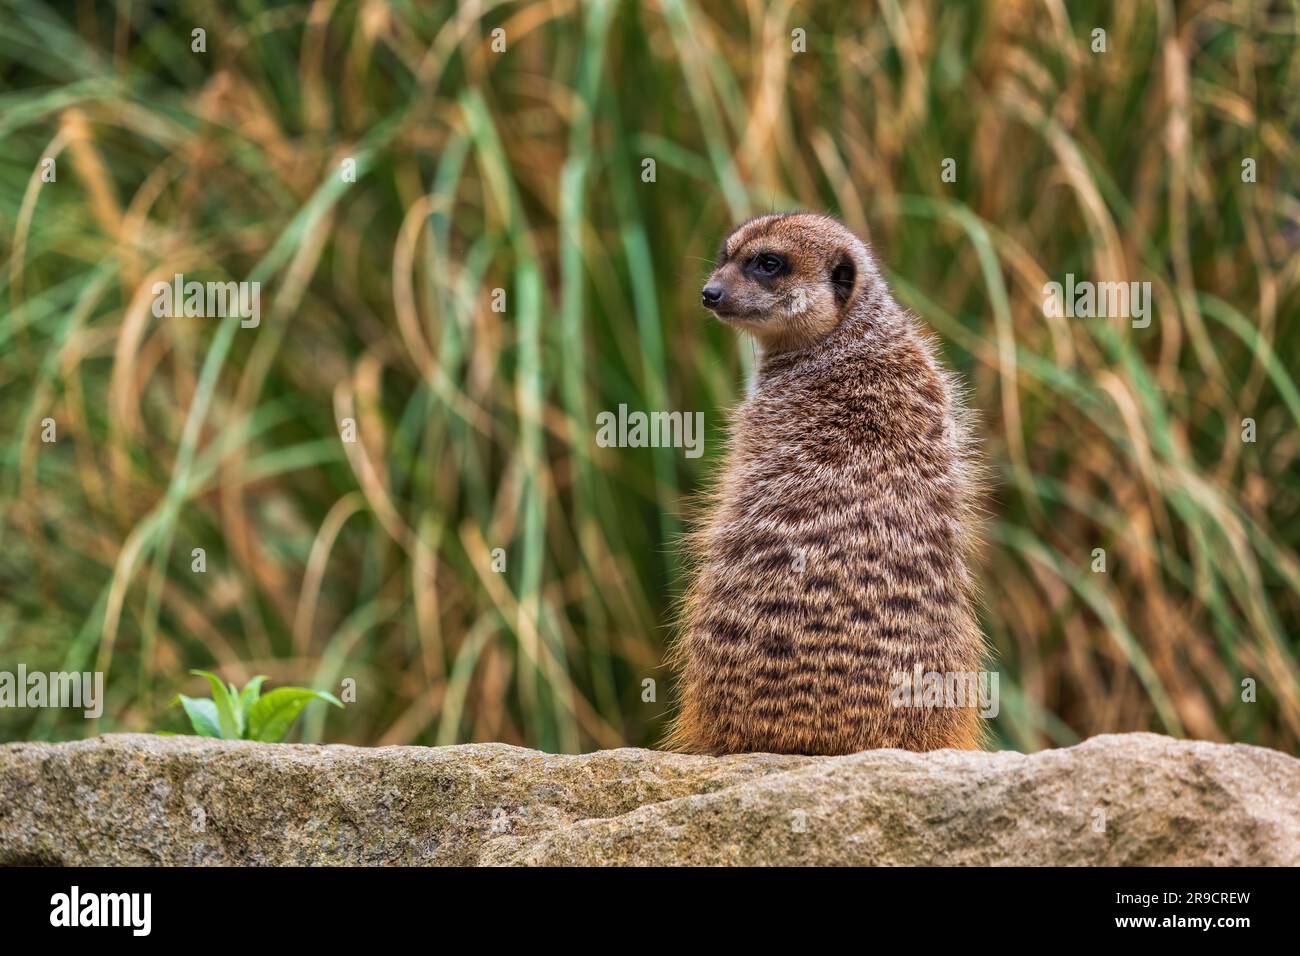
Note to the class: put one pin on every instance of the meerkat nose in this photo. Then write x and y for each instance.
(711, 295)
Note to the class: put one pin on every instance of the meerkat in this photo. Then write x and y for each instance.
(832, 564)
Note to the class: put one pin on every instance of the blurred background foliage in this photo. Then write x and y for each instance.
(521, 170)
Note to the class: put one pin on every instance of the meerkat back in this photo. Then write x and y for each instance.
(832, 608)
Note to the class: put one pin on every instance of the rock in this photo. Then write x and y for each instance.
(1130, 799)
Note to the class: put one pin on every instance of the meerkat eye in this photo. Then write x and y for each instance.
(767, 264)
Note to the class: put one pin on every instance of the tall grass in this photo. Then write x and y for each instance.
(522, 171)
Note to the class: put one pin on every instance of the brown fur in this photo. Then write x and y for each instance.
(852, 448)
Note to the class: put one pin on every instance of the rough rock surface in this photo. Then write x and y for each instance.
(1115, 800)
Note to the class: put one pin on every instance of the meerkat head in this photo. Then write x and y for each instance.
(787, 279)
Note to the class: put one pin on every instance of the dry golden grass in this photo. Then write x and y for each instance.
(521, 170)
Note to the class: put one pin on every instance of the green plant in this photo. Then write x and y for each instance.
(247, 714)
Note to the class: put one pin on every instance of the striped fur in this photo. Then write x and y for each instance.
(852, 450)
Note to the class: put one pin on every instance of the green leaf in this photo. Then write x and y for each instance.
(270, 716)
(229, 717)
(249, 695)
(203, 715)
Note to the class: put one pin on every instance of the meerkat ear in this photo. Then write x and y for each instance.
(843, 278)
